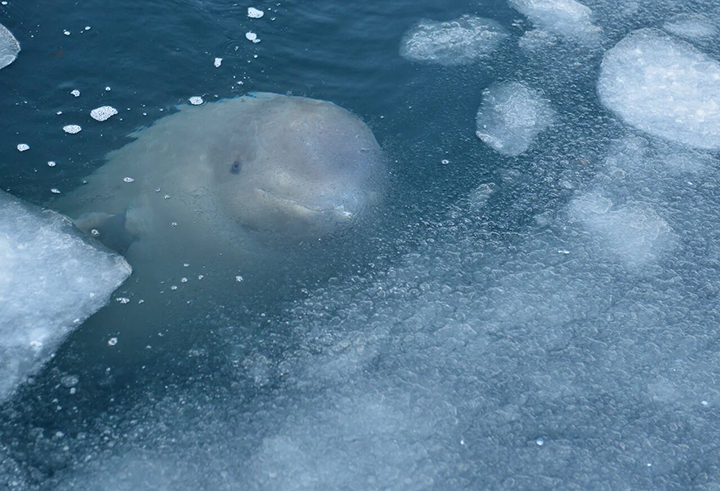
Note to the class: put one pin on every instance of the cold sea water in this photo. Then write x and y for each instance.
(536, 308)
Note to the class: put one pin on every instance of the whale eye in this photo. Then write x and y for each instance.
(236, 167)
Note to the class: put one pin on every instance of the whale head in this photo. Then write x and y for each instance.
(300, 168)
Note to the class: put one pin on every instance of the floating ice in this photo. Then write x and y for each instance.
(51, 279)
(9, 47)
(72, 129)
(664, 87)
(251, 36)
(254, 13)
(567, 18)
(75, 93)
(635, 233)
(196, 100)
(511, 116)
(103, 113)
(22, 147)
(217, 62)
(456, 42)
(694, 27)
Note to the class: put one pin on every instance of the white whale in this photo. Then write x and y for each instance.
(229, 181)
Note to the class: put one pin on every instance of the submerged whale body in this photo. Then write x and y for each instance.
(228, 181)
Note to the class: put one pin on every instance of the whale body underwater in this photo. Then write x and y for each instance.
(236, 183)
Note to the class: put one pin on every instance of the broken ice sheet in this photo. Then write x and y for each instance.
(9, 47)
(567, 18)
(51, 279)
(664, 87)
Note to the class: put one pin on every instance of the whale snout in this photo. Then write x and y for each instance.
(299, 217)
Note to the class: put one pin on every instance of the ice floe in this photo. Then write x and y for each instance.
(456, 42)
(664, 87)
(9, 47)
(511, 116)
(51, 279)
(254, 13)
(72, 129)
(567, 18)
(103, 113)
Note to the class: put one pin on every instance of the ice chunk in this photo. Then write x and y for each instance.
(567, 18)
(456, 42)
(51, 279)
(664, 87)
(633, 232)
(254, 13)
(9, 47)
(103, 113)
(511, 116)
(72, 129)
(694, 27)
(196, 100)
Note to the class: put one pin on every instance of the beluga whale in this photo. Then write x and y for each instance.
(234, 188)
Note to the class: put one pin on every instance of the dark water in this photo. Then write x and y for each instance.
(232, 384)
